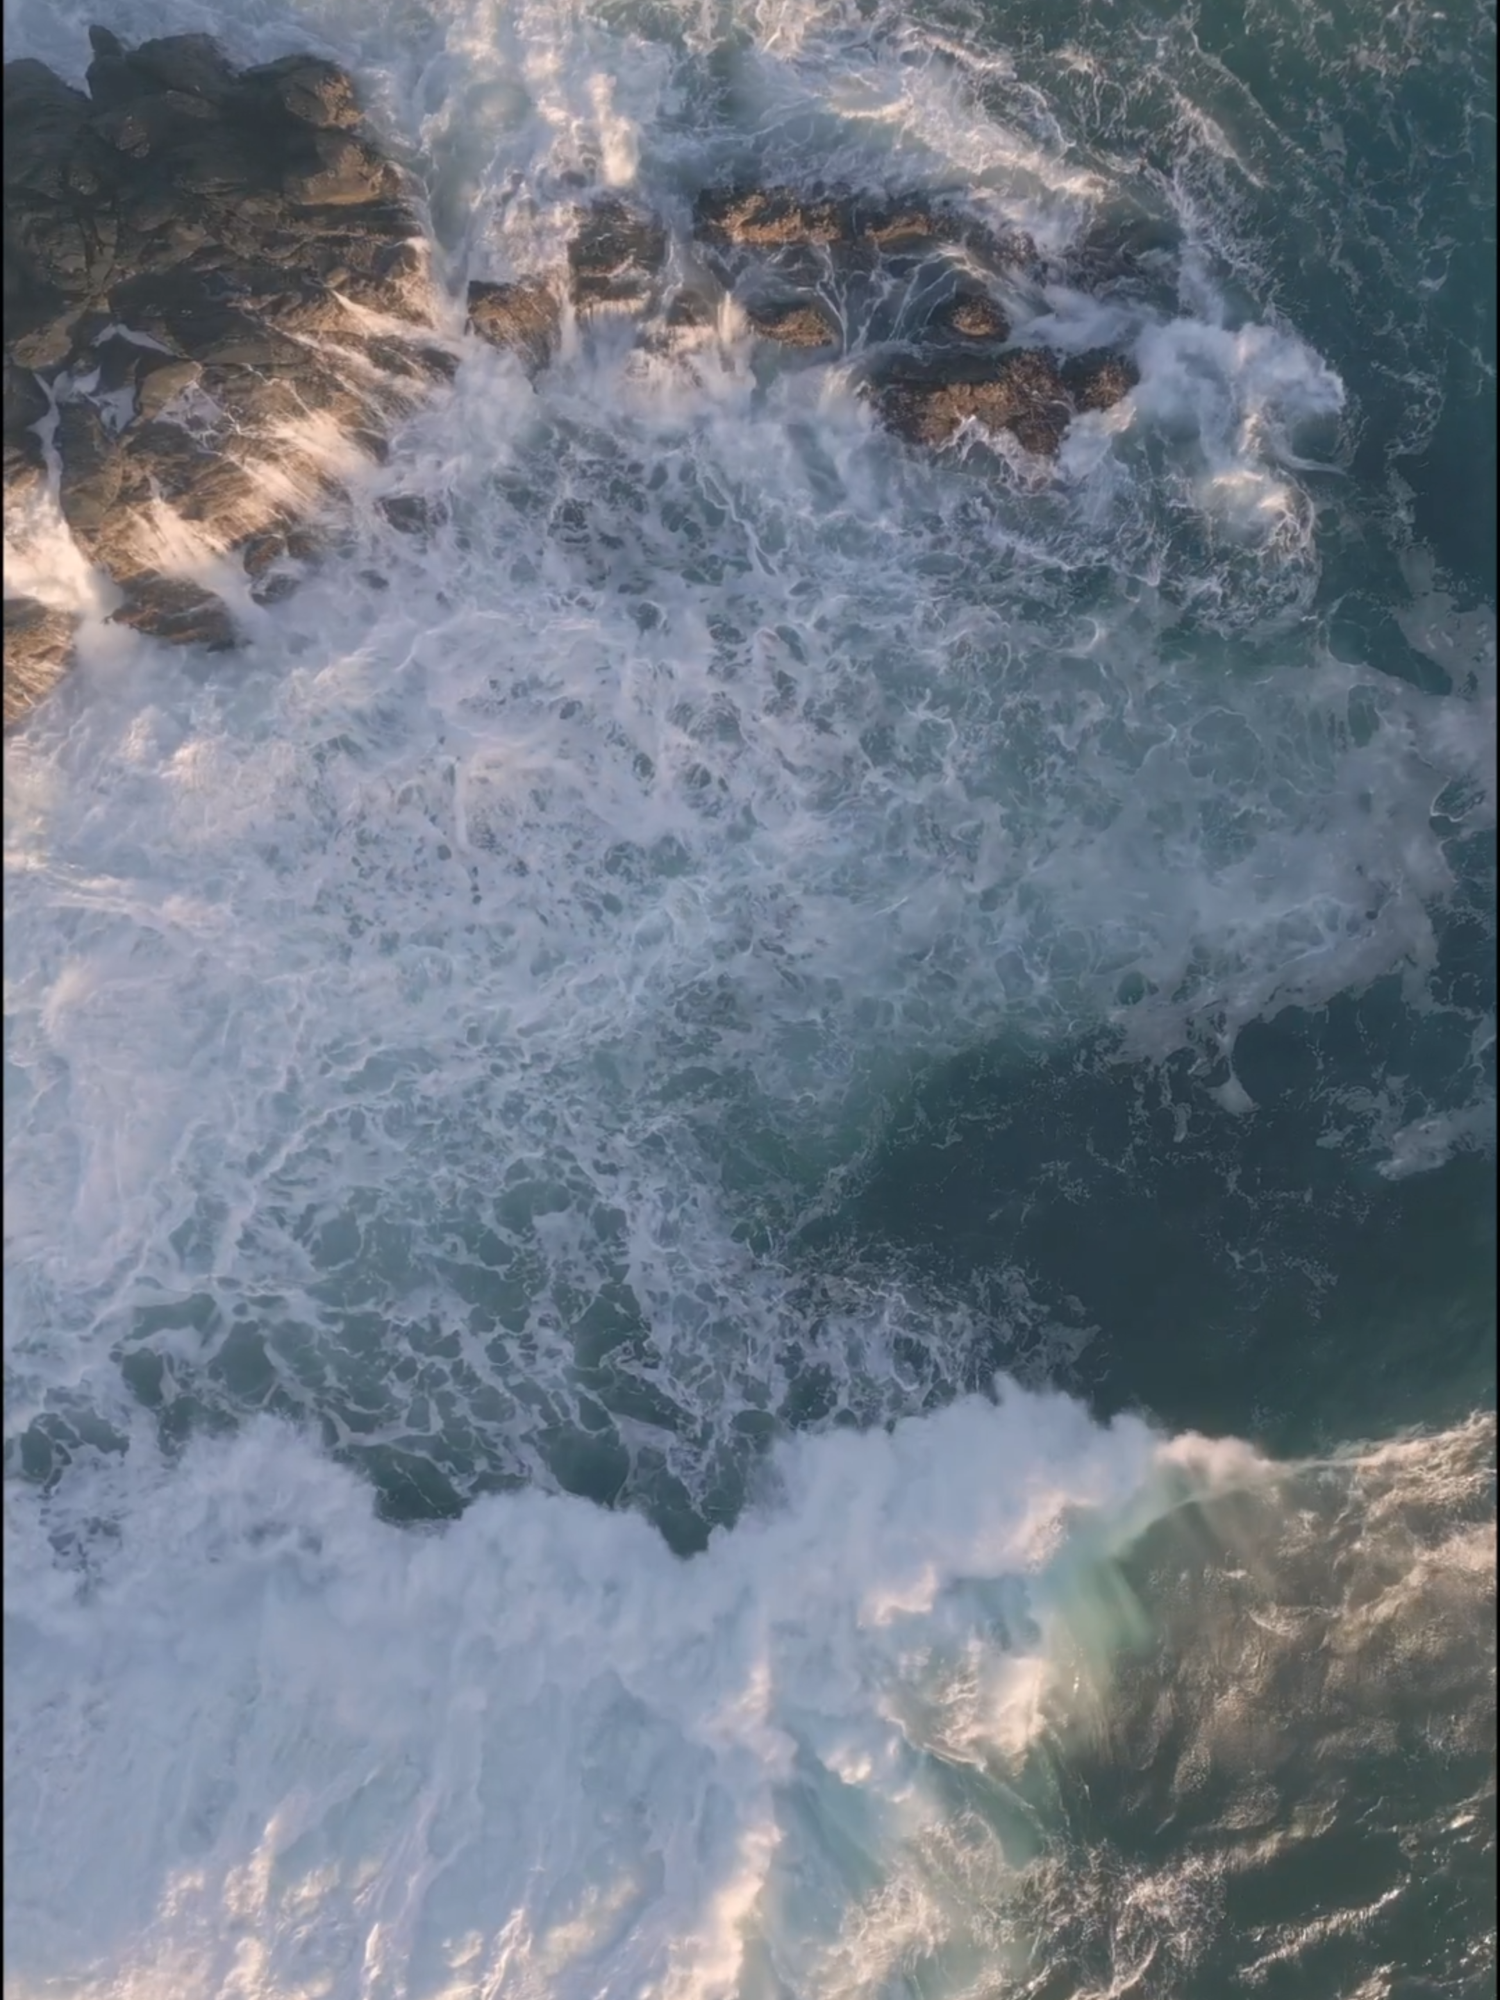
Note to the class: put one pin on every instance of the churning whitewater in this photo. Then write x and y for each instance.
(550, 1451)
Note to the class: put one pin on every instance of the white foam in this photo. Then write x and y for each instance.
(259, 1745)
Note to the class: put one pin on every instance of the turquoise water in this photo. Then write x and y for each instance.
(750, 1234)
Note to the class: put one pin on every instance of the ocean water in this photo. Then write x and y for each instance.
(749, 1209)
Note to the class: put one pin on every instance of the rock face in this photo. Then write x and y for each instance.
(191, 257)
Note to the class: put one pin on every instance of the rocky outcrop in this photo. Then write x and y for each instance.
(970, 316)
(794, 324)
(198, 261)
(217, 288)
(877, 252)
(524, 317)
(1099, 380)
(845, 224)
(38, 643)
(928, 401)
(1025, 392)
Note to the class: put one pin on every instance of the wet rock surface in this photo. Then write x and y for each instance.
(191, 253)
(524, 317)
(846, 224)
(1099, 380)
(1025, 392)
(929, 369)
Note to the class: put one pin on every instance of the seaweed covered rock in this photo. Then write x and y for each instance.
(193, 256)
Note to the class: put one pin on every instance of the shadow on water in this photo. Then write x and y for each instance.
(1245, 1272)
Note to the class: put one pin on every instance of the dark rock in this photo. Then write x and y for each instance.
(615, 255)
(189, 65)
(143, 126)
(26, 404)
(25, 467)
(46, 128)
(415, 361)
(794, 325)
(176, 609)
(275, 560)
(1098, 380)
(38, 648)
(524, 317)
(110, 79)
(192, 64)
(1022, 393)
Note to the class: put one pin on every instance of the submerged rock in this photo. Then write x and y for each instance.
(183, 247)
